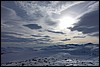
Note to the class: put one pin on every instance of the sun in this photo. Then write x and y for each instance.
(66, 21)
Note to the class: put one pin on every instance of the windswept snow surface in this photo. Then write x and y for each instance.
(57, 55)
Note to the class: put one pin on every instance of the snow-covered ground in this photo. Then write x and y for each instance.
(57, 55)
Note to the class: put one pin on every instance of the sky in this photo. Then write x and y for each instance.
(49, 22)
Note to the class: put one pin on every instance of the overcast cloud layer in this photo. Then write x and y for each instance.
(36, 21)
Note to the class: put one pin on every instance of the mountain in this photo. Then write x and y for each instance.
(56, 55)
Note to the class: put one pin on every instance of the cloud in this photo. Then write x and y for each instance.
(50, 22)
(42, 43)
(33, 26)
(30, 10)
(40, 36)
(55, 32)
(5, 37)
(36, 35)
(65, 39)
(15, 6)
(79, 36)
(94, 34)
(12, 33)
(88, 24)
(7, 14)
(9, 38)
(36, 10)
(44, 39)
(46, 36)
(31, 18)
(81, 8)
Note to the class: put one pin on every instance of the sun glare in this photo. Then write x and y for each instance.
(66, 21)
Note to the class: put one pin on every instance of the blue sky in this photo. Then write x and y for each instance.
(49, 22)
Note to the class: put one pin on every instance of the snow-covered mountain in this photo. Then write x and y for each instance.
(56, 55)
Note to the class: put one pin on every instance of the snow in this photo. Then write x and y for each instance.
(57, 55)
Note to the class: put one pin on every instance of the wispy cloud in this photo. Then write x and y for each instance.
(40, 36)
(89, 23)
(65, 39)
(29, 19)
(10, 38)
(55, 32)
(33, 26)
(79, 36)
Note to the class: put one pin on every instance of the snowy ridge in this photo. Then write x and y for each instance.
(57, 55)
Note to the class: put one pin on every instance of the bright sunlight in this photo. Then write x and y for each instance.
(66, 21)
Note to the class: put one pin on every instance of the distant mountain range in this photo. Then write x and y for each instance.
(81, 52)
